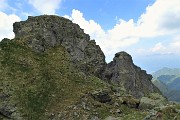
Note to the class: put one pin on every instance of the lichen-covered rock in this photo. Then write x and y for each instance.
(47, 73)
(94, 59)
(130, 101)
(123, 72)
(153, 100)
(101, 96)
(46, 31)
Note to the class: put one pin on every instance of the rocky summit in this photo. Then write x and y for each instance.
(123, 72)
(50, 31)
(45, 32)
(52, 70)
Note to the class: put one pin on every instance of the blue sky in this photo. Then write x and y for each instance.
(147, 29)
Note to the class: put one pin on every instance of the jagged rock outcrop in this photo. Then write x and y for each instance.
(123, 72)
(46, 31)
(49, 72)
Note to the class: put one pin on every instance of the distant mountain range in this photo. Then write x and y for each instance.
(168, 81)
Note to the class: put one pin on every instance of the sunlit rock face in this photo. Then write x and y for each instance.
(123, 72)
(46, 31)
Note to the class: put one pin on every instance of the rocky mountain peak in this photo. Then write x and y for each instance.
(123, 72)
(123, 56)
(51, 70)
(46, 31)
(49, 30)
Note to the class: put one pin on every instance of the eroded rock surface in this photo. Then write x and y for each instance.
(123, 72)
(46, 31)
(50, 70)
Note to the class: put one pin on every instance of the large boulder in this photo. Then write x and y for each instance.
(130, 101)
(153, 100)
(101, 96)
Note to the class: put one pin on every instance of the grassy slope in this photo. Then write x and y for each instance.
(40, 81)
(162, 87)
(44, 84)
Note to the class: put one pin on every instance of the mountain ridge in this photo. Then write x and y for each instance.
(51, 70)
(166, 71)
(86, 55)
(170, 77)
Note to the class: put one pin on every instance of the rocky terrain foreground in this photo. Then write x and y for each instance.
(51, 70)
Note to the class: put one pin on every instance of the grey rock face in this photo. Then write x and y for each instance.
(6, 111)
(101, 96)
(46, 31)
(130, 101)
(122, 71)
(154, 100)
(94, 57)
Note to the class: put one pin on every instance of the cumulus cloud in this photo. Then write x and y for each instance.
(90, 26)
(159, 47)
(6, 25)
(45, 6)
(163, 48)
(122, 35)
(111, 40)
(159, 19)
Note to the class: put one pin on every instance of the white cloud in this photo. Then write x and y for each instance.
(163, 48)
(159, 19)
(46, 6)
(68, 17)
(90, 27)
(159, 47)
(110, 41)
(6, 25)
(122, 35)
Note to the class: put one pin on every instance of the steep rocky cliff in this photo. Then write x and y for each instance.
(44, 32)
(51, 70)
(48, 31)
(123, 72)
